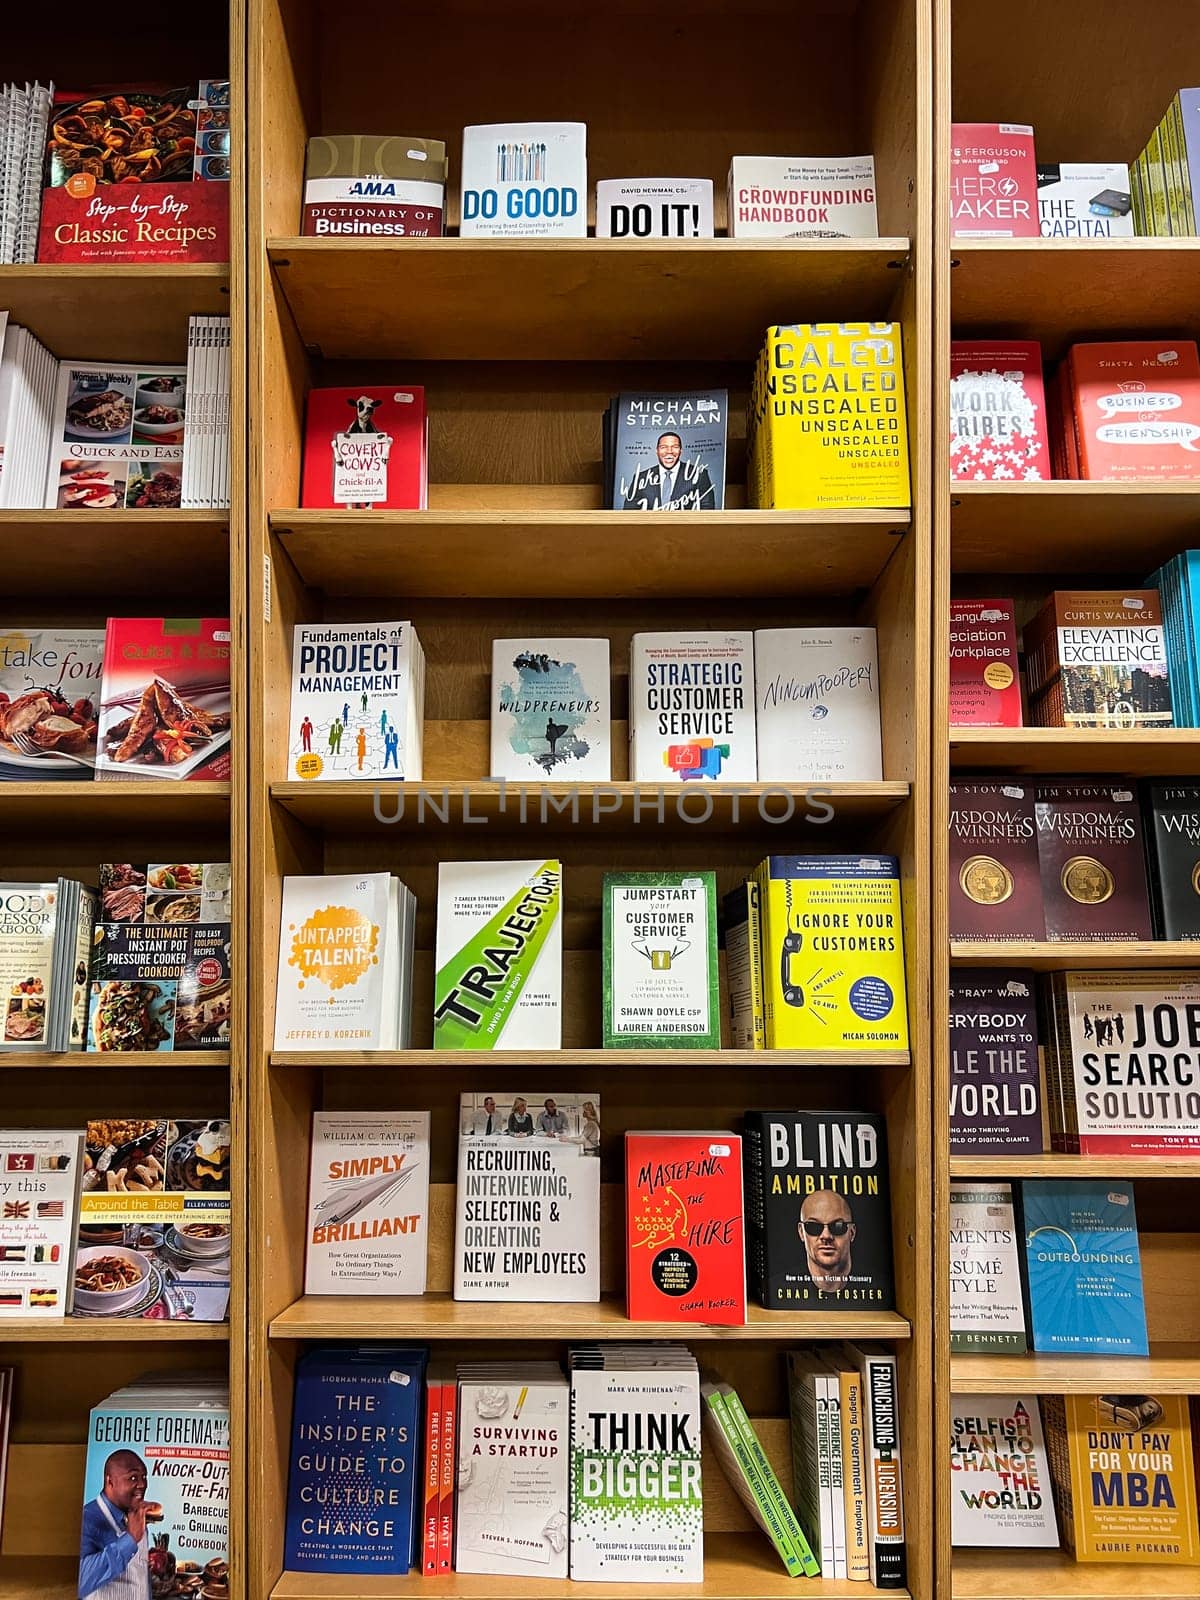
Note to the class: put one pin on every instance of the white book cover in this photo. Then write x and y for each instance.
(117, 436)
(802, 197)
(40, 1173)
(524, 180)
(329, 993)
(358, 702)
(817, 705)
(498, 956)
(986, 1309)
(1084, 200)
(513, 1484)
(1000, 1492)
(368, 1203)
(551, 710)
(654, 208)
(691, 707)
(527, 1221)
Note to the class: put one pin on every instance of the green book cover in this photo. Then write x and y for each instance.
(660, 961)
(738, 1466)
(769, 1481)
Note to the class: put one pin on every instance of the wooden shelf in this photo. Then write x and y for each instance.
(1169, 1369)
(104, 1061)
(1016, 1574)
(573, 299)
(1130, 752)
(1046, 957)
(1028, 528)
(438, 1316)
(100, 313)
(113, 1330)
(145, 803)
(39, 1577)
(599, 1060)
(1056, 1165)
(588, 554)
(75, 556)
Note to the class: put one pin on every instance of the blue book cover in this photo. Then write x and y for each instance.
(1084, 1269)
(354, 1474)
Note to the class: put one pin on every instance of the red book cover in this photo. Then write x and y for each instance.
(998, 412)
(985, 690)
(432, 1496)
(1137, 410)
(365, 448)
(164, 699)
(449, 1475)
(1093, 865)
(995, 882)
(685, 1252)
(993, 181)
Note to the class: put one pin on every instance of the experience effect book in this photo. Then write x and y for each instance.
(661, 984)
(368, 1203)
(1083, 1267)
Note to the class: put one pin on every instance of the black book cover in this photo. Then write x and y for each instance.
(1172, 833)
(995, 1084)
(818, 1210)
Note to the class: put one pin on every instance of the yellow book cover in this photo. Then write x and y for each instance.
(833, 953)
(827, 423)
(1132, 1490)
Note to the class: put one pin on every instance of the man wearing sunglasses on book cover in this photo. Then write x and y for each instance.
(827, 1227)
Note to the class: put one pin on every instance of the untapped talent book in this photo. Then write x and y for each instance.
(661, 985)
(1083, 1267)
(358, 701)
(1000, 1490)
(368, 1203)
(330, 989)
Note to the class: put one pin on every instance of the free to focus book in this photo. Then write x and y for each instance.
(165, 707)
(985, 689)
(1136, 409)
(524, 180)
(498, 956)
(359, 185)
(995, 884)
(668, 451)
(365, 449)
(1092, 863)
(1084, 200)
(691, 707)
(49, 700)
(654, 208)
(802, 197)
(1000, 1494)
(986, 1312)
(684, 1251)
(817, 705)
(358, 701)
(551, 709)
(1083, 1267)
(1097, 658)
(40, 1171)
(1172, 823)
(995, 1082)
(998, 412)
(660, 960)
(528, 1213)
(368, 1203)
(818, 1210)
(117, 437)
(993, 181)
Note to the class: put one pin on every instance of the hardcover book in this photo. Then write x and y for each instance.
(358, 701)
(818, 1210)
(668, 451)
(1136, 409)
(49, 701)
(524, 180)
(685, 1257)
(995, 1080)
(985, 686)
(551, 710)
(691, 707)
(817, 705)
(359, 185)
(330, 987)
(884, 1474)
(802, 197)
(993, 181)
(1000, 1494)
(1083, 1267)
(1097, 659)
(742, 928)
(40, 1172)
(1172, 821)
(654, 208)
(660, 961)
(1092, 863)
(366, 449)
(498, 956)
(1084, 200)
(995, 883)
(527, 1221)
(998, 427)
(986, 1311)
(165, 706)
(368, 1203)
(814, 1411)
(117, 437)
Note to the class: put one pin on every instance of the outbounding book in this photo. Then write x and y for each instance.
(1083, 1267)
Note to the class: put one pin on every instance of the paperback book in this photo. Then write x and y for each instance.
(1098, 659)
(986, 1310)
(1172, 830)
(524, 180)
(995, 880)
(993, 181)
(998, 427)
(883, 1472)
(666, 452)
(40, 1173)
(1000, 1487)
(817, 705)
(24, 116)
(1084, 200)
(28, 384)
(366, 449)
(551, 710)
(742, 931)
(985, 685)
(1178, 584)
(995, 1078)
(359, 185)
(358, 702)
(654, 208)
(814, 1409)
(661, 985)
(1092, 863)
(165, 709)
(1083, 1267)
(117, 437)
(49, 701)
(368, 1203)
(691, 707)
(40, 951)
(1166, 176)
(802, 197)
(205, 482)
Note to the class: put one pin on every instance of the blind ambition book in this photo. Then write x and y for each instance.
(985, 687)
(667, 451)
(1136, 409)
(995, 1082)
(1083, 1267)
(986, 1311)
(1097, 658)
(1172, 829)
(995, 883)
(1000, 1489)
(661, 985)
(818, 1210)
(1092, 863)
(363, 186)
(993, 181)
(997, 412)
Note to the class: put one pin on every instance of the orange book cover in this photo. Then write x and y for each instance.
(1137, 410)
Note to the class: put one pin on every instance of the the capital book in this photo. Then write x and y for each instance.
(524, 180)
(818, 1210)
(368, 1203)
(685, 1258)
(1136, 409)
(691, 708)
(802, 197)
(368, 186)
(527, 1218)
(551, 710)
(995, 1078)
(1083, 1267)
(998, 430)
(985, 684)
(654, 208)
(358, 702)
(49, 701)
(1093, 867)
(986, 1310)
(1000, 1487)
(817, 705)
(165, 707)
(1097, 658)
(661, 985)
(1171, 822)
(1084, 200)
(666, 451)
(366, 448)
(994, 879)
(40, 1173)
(993, 181)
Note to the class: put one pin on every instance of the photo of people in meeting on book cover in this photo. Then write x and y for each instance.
(567, 1119)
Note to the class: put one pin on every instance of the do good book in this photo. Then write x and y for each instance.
(40, 1172)
(527, 1223)
(819, 1210)
(691, 708)
(802, 197)
(986, 1310)
(1097, 658)
(358, 701)
(985, 686)
(817, 705)
(661, 983)
(365, 449)
(1092, 864)
(360, 186)
(684, 1253)
(551, 710)
(997, 412)
(668, 451)
(654, 208)
(1136, 409)
(995, 880)
(1084, 200)
(1083, 1268)
(165, 707)
(117, 437)
(368, 1203)
(1171, 814)
(1000, 1488)
(995, 1079)
(524, 180)
(993, 181)
(49, 701)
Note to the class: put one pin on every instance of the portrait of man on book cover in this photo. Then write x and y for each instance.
(672, 483)
(828, 1230)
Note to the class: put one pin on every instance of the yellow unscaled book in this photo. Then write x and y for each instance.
(832, 953)
(826, 424)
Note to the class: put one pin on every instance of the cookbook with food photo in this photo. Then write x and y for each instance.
(117, 437)
(49, 702)
(154, 1220)
(164, 699)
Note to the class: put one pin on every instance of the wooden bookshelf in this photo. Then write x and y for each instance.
(149, 803)
(74, 557)
(1058, 957)
(1169, 1369)
(1127, 752)
(1068, 527)
(596, 1061)
(96, 312)
(1056, 1575)
(1055, 1165)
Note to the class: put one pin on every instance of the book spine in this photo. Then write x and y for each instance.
(767, 949)
(754, 933)
(805, 1463)
(446, 1525)
(1068, 1106)
(719, 1405)
(775, 1501)
(829, 1560)
(885, 1488)
(858, 1550)
(433, 1478)
(1058, 1454)
(833, 1413)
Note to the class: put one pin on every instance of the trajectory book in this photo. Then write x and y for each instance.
(1083, 1267)
(661, 985)
(995, 1080)
(368, 1203)
(999, 1475)
(358, 702)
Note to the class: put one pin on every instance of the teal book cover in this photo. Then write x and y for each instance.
(660, 961)
(1084, 1268)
